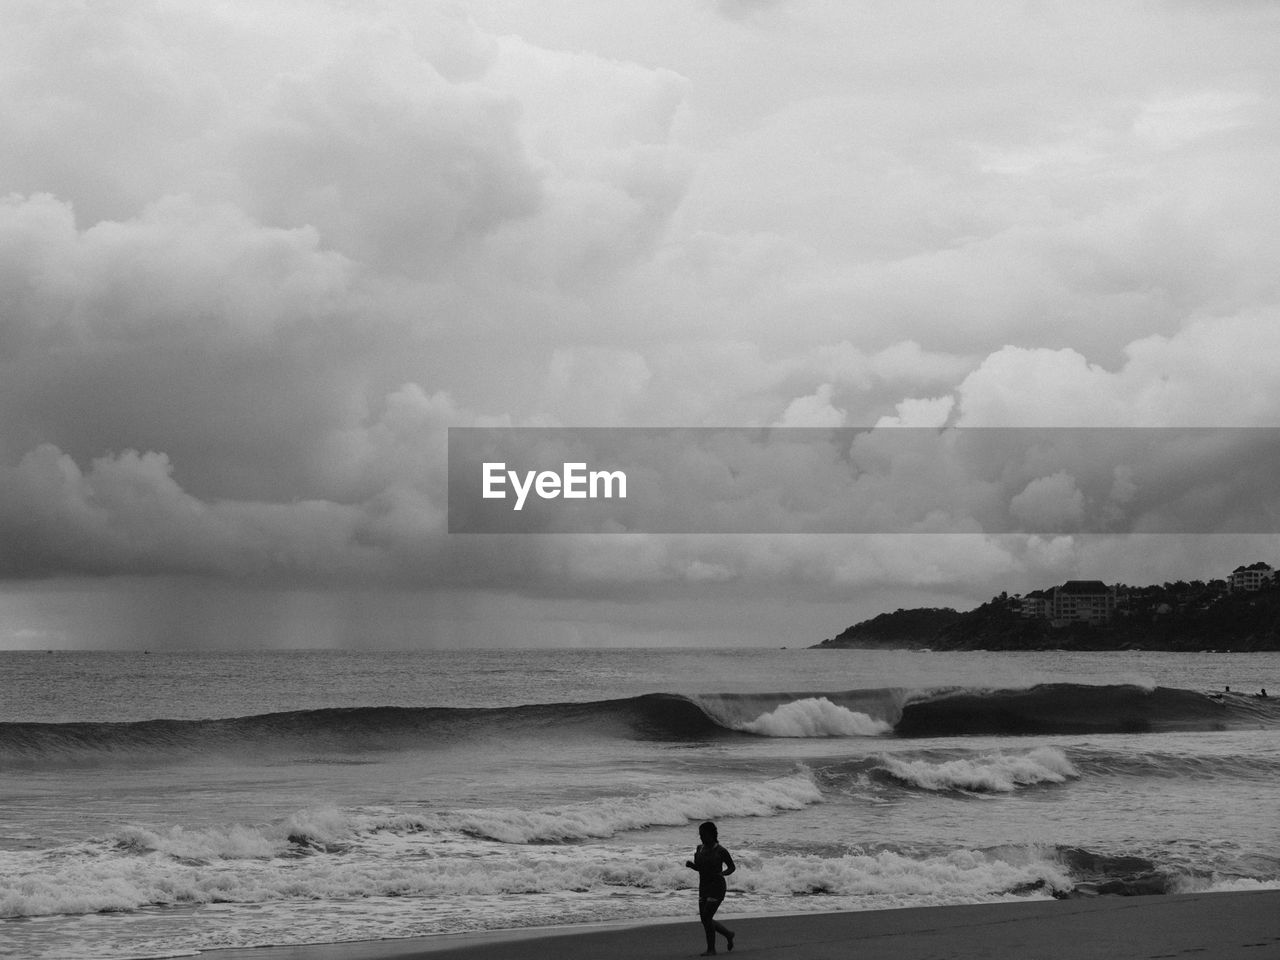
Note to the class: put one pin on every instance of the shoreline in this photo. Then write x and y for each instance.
(1222, 925)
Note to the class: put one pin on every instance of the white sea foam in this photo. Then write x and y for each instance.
(109, 883)
(611, 815)
(1142, 681)
(311, 828)
(377, 854)
(1227, 885)
(235, 842)
(962, 876)
(814, 717)
(989, 773)
(116, 882)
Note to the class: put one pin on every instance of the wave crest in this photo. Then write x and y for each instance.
(610, 815)
(990, 773)
(815, 717)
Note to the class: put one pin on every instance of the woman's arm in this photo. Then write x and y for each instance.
(727, 860)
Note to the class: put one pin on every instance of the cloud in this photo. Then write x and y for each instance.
(126, 515)
(595, 386)
(815, 410)
(920, 412)
(1171, 123)
(299, 210)
(745, 9)
(1049, 502)
(398, 171)
(181, 268)
(1214, 372)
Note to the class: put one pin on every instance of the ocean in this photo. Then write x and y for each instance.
(164, 804)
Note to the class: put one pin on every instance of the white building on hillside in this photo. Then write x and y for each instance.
(1251, 577)
(1090, 601)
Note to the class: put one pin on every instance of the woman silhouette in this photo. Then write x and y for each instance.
(713, 864)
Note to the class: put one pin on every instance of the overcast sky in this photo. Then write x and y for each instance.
(255, 259)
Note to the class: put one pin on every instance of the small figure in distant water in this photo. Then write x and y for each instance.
(1263, 694)
(713, 864)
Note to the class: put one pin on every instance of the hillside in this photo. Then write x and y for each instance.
(1180, 616)
(902, 628)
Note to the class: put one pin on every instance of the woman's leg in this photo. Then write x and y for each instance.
(706, 913)
(725, 932)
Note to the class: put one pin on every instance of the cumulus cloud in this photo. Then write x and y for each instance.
(815, 410)
(127, 515)
(1213, 372)
(920, 412)
(200, 270)
(1049, 502)
(394, 164)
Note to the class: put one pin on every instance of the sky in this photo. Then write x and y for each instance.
(257, 259)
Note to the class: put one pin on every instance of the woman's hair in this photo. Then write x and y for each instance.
(708, 832)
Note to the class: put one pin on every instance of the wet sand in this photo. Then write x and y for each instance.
(1216, 926)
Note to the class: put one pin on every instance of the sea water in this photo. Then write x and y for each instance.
(164, 804)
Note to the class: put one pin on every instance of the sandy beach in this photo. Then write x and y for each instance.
(1223, 926)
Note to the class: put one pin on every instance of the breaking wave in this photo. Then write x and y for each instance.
(989, 773)
(815, 717)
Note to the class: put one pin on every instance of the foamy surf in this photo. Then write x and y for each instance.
(815, 717)
(113, 880)
(311, 900)
(608, 816)
(325, 852)
(895, 879)
(988, 773)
